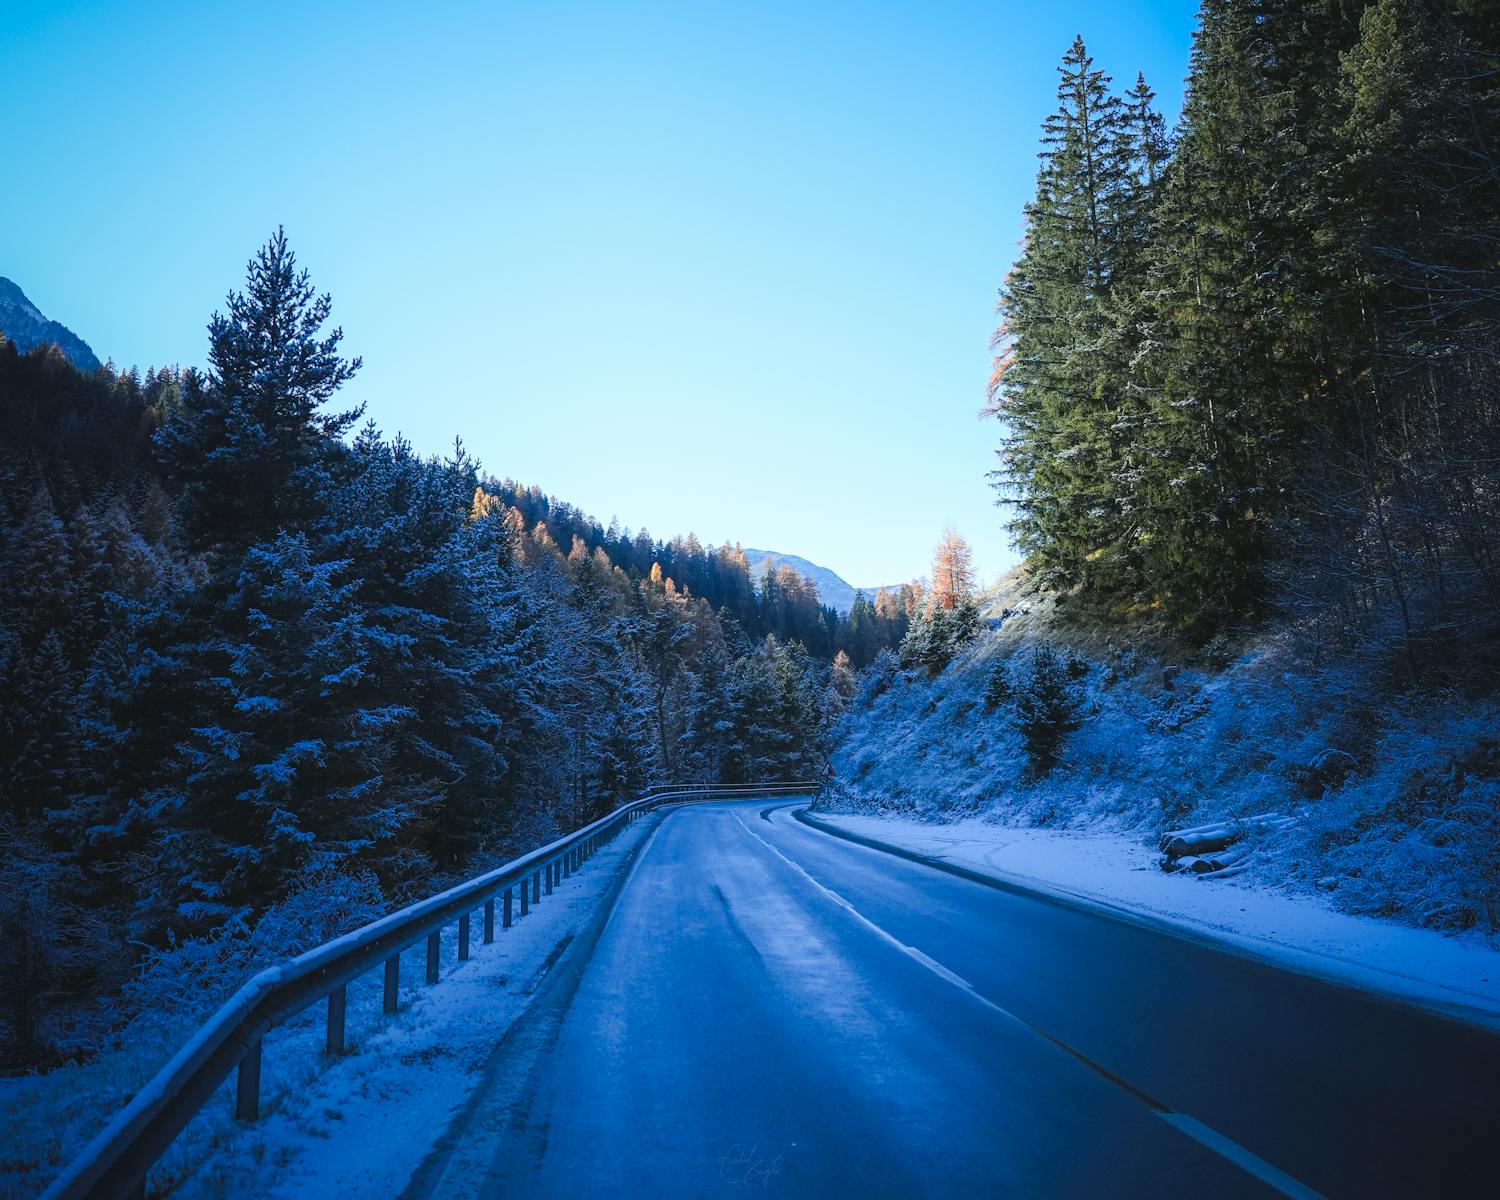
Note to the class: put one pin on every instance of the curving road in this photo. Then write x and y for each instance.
(764, 1009)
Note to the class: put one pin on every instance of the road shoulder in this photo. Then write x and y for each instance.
(1113, 877)
(366, 1124)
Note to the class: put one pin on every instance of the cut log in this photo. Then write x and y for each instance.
(1220, 860)
(1227, 871)
(1203, 839)
(1198, 840)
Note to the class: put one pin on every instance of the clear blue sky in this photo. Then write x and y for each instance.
(720, 267)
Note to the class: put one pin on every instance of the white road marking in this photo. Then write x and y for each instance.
(1237, 1154)
(1224, 1147)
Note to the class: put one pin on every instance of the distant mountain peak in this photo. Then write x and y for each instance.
(833, 590)
(24, 324)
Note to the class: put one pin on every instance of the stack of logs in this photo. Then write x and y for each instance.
(1216, 849)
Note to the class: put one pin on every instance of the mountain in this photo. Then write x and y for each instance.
(833, 590)
(23, 324)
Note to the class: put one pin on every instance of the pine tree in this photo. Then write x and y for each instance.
(36, 564)
(1116, 570)
(627, 747)
(252, 450)
(660, 642)
(842, 682)
(709, 723)
(1059, 453)
(1226, 366)
(998, 690)
(1046, 708)
(37, 728)
(274, 770)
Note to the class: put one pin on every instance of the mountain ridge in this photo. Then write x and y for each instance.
(24, 324)
(833, 590)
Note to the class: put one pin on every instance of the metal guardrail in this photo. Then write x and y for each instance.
(114, 1164)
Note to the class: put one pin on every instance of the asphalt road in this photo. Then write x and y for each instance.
(764, 1009)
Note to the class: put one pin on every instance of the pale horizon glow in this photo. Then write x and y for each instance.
(729, 272)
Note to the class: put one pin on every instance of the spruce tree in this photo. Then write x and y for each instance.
(1046, 708)
(1216, 418)
(1060, 454)
(252, 449)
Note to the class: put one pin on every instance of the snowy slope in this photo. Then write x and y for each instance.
(1397, 794)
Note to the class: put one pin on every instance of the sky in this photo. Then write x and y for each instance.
(727, 268)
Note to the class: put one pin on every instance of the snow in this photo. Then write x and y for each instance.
(1302, 933)
(1395, 790)
(360, 1127)
(356, 1126)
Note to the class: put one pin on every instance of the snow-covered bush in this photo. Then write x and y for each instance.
(1431, 851)
(52, 951)
(182, 982)
(50, 1114)
(1046, 706)
(998, 690)
(876, 678)
(937, 635)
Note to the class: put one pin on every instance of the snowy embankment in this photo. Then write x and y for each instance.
(356, 1126)
(1302, 933)
(1394, 790)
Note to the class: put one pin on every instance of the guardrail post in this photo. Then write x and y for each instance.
(536, 887)
(392, 995)
(463, 938)
(551, 871)
(505, 907)
(337, 1004)
(434, 948)
(489, 920)
(567, 863)
(247, 1084)
(525, 896)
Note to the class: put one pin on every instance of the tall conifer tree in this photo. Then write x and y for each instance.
(1060, 454)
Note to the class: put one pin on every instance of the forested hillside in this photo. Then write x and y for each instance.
(1247, 379)
(1249, 368)
(250, 647)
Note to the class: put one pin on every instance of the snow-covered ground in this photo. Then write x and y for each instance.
(1395, 788)
(1301, 932)
(366, 1122)
(356, 1126)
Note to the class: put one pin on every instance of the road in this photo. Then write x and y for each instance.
(764, 1009)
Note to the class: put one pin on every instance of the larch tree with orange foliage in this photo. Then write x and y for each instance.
(952, 570)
